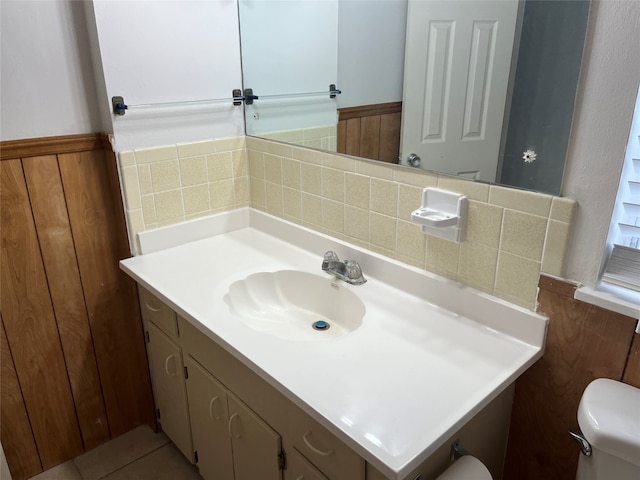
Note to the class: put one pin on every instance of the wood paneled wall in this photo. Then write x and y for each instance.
(584, 342)
(74, 371)
(370, 131)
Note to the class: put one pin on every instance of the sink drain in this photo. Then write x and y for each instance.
(321, 325)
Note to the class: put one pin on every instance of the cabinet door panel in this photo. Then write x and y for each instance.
(167, 377)
(255, 445)
(209, 418)
(299, 468)
(153, 310)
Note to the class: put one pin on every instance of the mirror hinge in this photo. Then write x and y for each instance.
(282, 460)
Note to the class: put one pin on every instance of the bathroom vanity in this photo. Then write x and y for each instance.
(238, 390)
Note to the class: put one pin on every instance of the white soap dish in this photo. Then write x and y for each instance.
(443, 214)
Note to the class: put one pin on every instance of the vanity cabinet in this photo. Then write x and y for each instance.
(167, 380)
(299, 468)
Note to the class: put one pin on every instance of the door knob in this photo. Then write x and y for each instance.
(414, 160)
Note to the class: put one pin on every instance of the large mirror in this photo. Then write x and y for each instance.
(484, 89)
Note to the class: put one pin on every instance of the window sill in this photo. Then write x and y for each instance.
(614, 298)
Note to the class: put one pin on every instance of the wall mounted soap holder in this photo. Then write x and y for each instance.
(443, 214)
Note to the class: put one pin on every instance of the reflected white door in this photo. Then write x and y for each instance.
(457, 64)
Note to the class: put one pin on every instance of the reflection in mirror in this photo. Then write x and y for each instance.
(485, 88)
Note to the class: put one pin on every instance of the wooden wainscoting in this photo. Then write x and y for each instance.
(74, 371)
(371, 131)
(584, 342)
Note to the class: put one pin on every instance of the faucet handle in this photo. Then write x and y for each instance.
(354, 271)
(329, 256)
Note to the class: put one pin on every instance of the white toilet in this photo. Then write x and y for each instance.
(609, 417)
(466, 468)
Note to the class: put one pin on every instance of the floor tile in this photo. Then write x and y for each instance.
(64, 471)
(119, 452)
(166, 463)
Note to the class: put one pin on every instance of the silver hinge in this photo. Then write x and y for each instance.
(282, 460)
(186, 373)
(146, 334)
(195, 456)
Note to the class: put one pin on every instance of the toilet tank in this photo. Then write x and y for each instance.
(609, 417)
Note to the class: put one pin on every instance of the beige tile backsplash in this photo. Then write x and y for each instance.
(512, 235)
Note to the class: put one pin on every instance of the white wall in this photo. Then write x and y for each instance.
(47, 87)
(604, 110)
(371, 36)
(161, 51)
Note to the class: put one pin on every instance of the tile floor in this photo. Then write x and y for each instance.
(139, 454)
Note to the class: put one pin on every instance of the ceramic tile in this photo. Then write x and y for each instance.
(231, 143)
(409, 198)
(254, 143)
(523, 234)
(256, 164)
(117, 453)
(382, 231)
(169, 206)
(523, 201)
(148, 210)
(274, 198)
(196, 148)
(196, 199)
(292, 203)
(442, 256)
(306, 155)
(288, 136)
(555, 247)
(280, 149)
(273, 168)
(563, 209)
(472, 190)
(144, 179)
(411, 242)
(221, 194)
(415, 177)
(374, 169)
(356, 223)
(165, 176)
(220, 166)
(291, 173)
(135, 224)
(333, 215)
(333, 184)
(240, 163)
(311, 209)
(357, 190)
(127, 159)
(340, 162)
(156, 154)
(258, 193)
(165, 463)
(64, 471)
(131, 187)
(193, 171)
(484, 223)
(316, 132)
(313, 143)
(241, 191)
(311, 179)
(477, 265)
(384, 197)
(517, 279)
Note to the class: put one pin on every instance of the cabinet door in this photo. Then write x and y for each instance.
(298, 468)
(167, 378)
(209, 419)
(256, 447)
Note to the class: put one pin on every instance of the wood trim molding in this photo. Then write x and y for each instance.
(557, 285)
(360, 111)
(34, 147)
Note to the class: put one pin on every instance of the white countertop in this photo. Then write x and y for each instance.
(396, 388)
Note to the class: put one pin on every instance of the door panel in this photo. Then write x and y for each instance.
(209, 419)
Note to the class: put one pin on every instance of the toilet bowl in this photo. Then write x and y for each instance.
(609, 418)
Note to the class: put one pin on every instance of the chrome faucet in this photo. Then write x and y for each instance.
(349, 270)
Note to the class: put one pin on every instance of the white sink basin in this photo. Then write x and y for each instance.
(288, 303)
